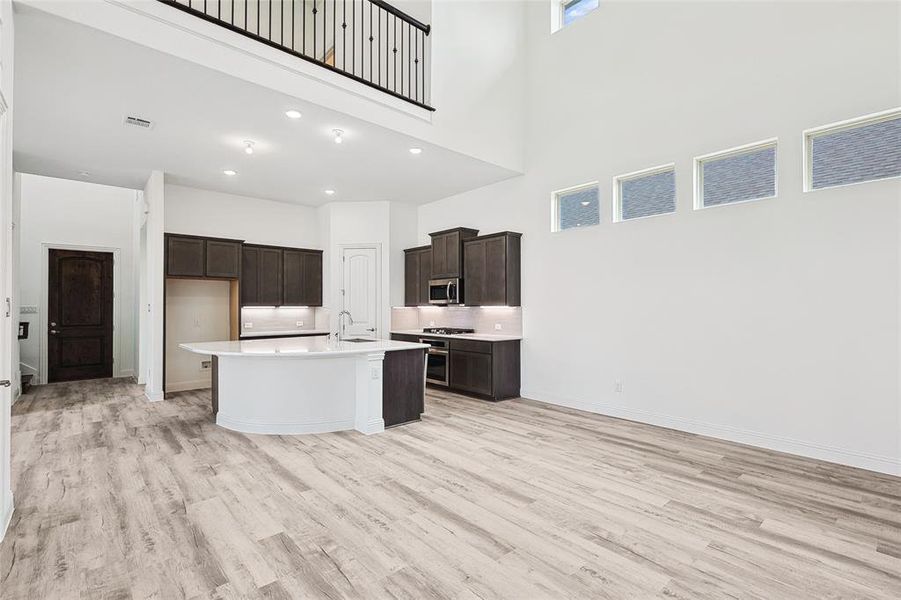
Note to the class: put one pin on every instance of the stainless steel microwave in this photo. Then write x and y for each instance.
(445, 291)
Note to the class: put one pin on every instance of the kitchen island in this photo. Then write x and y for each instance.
(302, 385)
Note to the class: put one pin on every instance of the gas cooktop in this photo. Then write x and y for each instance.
(447, 330)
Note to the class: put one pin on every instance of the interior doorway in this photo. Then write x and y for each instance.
(79, 315)
(360, 289)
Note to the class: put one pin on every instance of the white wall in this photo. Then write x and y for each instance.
(196, 311)
(154, 198)
(8, 288)
(774, 323)
(202, 212)
(66, 213)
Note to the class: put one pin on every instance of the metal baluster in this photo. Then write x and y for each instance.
(395, 54)
(314, 28)
(380, 49)
(344, 34)
(293, 8)
(416, 66)
(324, 28)
(353, 37)
(371, 39)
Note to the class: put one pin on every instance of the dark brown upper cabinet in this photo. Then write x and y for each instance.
(491, 273)
(274, 276)
(302, 277)
(194, 256)
(223, 259)
(417, 272)
(184, 256)
(447, 251)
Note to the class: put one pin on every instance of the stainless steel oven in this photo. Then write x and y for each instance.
(445, 291)
(436, 361)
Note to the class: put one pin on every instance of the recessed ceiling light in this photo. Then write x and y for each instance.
(338, 133)
(248, 146)
(329, 192)
(229, 172)
(585, 202)
(293, 114)
(415, 150)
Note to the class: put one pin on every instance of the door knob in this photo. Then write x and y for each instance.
(5, 383)
(371, 329)
(54, 331)
(52, 324)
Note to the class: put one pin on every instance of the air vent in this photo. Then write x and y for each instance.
(138, 122)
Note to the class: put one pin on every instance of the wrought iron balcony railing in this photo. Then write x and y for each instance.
(369, 41)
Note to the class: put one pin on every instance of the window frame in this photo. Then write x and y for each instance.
(618, 190)
(698, 174)
(555, 205)
(558, 9)
(808, 135)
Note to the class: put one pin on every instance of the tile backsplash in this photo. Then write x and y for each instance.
(481, 318)
(277, 319)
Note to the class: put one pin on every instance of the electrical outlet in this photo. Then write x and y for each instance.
(206, 364)
(374, 373)
(618, 387)
(248, 325)
(498, 327)
(299, 323)
(431, 323)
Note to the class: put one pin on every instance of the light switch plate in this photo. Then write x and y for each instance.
(299, 323)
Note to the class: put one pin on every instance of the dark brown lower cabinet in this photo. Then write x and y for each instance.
(403, 386)
(489, 370)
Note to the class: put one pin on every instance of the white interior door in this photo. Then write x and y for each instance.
(360, 290)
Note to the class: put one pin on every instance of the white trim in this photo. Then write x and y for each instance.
(187, 386)
(807, 138)
(45, 290)
(617, 190)
(6, 514)
(282, 428)
(697, 171)
(872, 462)
(555, 205)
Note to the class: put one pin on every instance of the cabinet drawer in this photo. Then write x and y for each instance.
(471, 346)
(402, 337)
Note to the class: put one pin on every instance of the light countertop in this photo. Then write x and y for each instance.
(481, 337)
(293, 332)
(296, 347)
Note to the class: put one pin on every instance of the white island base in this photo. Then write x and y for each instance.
(300, 385)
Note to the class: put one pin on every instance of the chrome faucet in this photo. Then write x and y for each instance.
(341, 323)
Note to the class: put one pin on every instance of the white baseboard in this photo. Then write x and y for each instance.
(186, 386)
(153, 396)
(127, 373)
(373, 426)
(6, 514)
(283, 428)
(843, 456)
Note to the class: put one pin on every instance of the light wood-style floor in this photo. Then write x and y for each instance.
(119, 498)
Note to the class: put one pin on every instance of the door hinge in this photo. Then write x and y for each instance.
(8, 307)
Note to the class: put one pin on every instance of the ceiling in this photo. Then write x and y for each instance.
(75, 85)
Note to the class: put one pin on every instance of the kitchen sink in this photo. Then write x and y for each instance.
(358, 340)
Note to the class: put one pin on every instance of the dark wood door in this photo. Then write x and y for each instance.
(293, 278)
(474, 274)
(270, 276)
(470, 372)
(223, 259)
(184, 256)
(312, 279)
(495, 286)
(250, 276)
(411, 278)
(80, 315)
(425, 273)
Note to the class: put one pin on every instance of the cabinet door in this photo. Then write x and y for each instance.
(185, 256)
(495, 289)
(270, 276)
(411, 278)
(223, 259)
(452, 251)
(474, 276)
(312, 279)
(425, 273)
(439, 256)
(293, 278)
(250, 276)
(470, 372)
